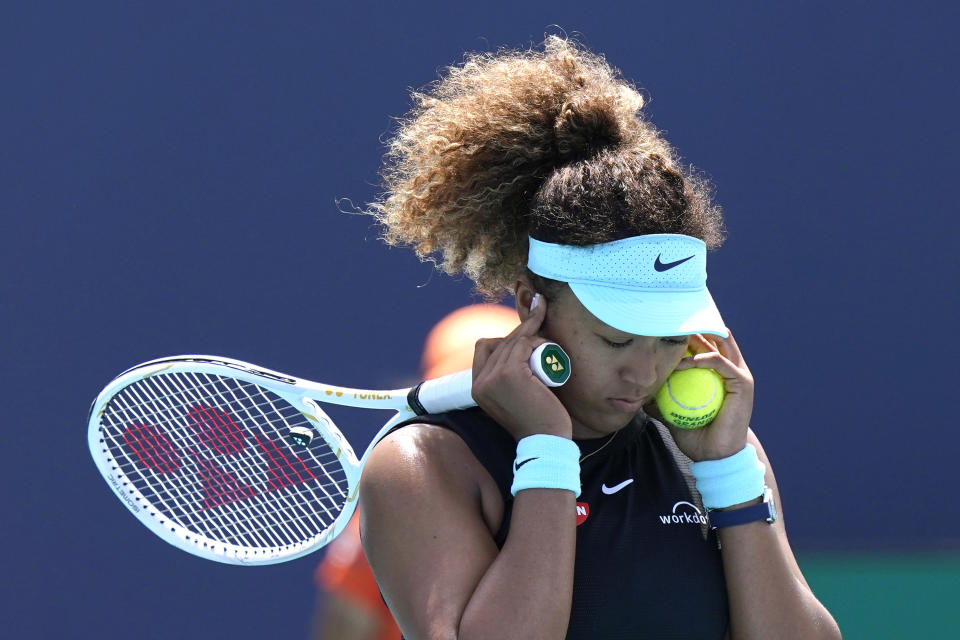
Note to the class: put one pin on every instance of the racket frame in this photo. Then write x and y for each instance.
(306, 397)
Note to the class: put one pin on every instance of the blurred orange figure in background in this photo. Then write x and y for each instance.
(350, 605)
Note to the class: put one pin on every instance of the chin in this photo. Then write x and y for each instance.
(602, 426)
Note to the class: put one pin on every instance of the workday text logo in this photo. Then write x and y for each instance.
(684, 513)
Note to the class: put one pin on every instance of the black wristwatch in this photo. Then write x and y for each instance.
(766, 510)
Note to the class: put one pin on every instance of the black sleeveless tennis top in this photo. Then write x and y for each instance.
(647, 564)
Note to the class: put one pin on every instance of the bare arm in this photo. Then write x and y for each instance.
(769, 597)
(428, 540)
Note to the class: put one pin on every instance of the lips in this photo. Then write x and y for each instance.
(627, 404)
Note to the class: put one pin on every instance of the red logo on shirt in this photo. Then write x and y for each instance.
(583, 512)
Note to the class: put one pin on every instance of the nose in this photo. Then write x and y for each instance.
(639, 368)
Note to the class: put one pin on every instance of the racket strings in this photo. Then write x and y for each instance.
(197, 382)
(175, 400)
(130, 471)
(152, 410)
(175, 424)
(294, 509)
(263, 525)
(222, 485)
(146, 443)
(177, 500)
(233, 522)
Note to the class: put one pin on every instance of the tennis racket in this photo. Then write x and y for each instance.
(239, 464)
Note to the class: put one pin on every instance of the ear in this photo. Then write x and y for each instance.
(523, 292)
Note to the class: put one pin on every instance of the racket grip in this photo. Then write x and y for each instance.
(549, 363)
(448, 393)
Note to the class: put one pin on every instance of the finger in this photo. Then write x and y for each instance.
(494, 365)
(731, 349)
(700, 346)
(510, 360)
(700, 343)
(712, 360)
(498, 352)
(520, 352)
(498, 361)
(482, 350)
(531, 324)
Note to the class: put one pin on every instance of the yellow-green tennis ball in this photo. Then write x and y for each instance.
(691, 398)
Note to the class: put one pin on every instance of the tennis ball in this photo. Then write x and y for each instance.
(691, 398)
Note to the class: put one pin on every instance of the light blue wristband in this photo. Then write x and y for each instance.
(546, 462)
(729, 481)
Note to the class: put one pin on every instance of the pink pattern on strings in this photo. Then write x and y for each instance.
(216, 430)
(152, 448)
(283, 470)
(221, 487)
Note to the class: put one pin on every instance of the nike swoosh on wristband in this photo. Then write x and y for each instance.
(517, 465)
(666, 266)
(612, 490)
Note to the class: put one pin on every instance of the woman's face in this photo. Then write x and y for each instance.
(613, 373)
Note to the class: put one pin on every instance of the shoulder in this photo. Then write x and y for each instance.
(429, 465)
(414, 454)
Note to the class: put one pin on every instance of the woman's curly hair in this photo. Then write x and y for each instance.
(547, 143)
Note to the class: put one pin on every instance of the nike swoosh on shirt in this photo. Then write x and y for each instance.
(666, 266)
(612, 490)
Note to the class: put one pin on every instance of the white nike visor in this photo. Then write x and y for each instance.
(651, 285)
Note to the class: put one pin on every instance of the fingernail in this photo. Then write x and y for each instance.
(535, 301)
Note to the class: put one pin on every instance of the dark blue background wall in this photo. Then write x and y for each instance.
(168, 182)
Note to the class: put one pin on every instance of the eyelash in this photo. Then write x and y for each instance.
(616, 345)
(673, 342)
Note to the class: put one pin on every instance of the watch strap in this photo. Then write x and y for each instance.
(766, 510)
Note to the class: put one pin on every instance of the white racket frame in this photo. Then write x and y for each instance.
(442, 394)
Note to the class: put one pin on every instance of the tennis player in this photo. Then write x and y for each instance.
(573, 512)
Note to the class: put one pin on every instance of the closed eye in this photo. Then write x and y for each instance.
(672, 341)
(616, 345)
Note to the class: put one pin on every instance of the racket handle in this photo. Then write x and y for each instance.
(549, 363)
(447, 393)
